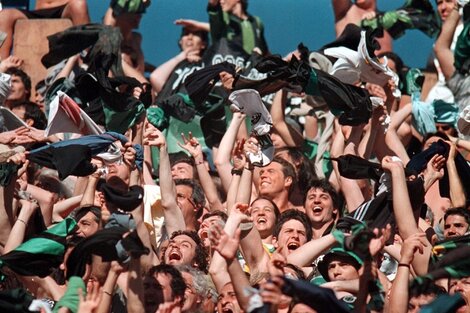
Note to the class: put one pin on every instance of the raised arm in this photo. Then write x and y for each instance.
(222, 159)
(191, 144)
(404, 213)
(174, 219)
(457, 193)
(444, 54)
(309, 252)
(290, 136)
(399, 295)
(19, 228)
(340, 8)
(161, 74)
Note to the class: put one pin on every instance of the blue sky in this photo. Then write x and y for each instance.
(287, 22)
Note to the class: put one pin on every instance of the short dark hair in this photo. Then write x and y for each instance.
(294, 214)
(458, 211)
(23, 76)
(277, 212)
(426, 289)
(395, 58)
(197, 195)
(201, 253)
(34, 112)
(180, 157)
(306, 170)
(324, 185)
(288, 170)
(177, 284)
(218, 213)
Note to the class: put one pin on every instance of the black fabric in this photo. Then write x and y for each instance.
(419, 162)
(176, 106)
(55, 12)
(7, 172)
(134, 245)
(351, 103)
(378, 212)
(200, 83)
(127, 201)
(213, 126)
(104, 39)
(354, 167)
(102, 243)
(349, 38)
(67, 160)
(15, 301)
(322, 300)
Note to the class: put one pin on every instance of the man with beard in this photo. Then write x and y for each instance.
(186, 248)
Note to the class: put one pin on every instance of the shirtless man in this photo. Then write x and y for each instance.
(76, 10)
(347, 11)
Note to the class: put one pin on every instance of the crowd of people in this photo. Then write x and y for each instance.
(231, 179)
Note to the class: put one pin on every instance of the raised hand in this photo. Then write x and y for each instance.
(191, 144)
(238, 155)
(223, 243)
(411, 245)
(91, 300)
(153, 136)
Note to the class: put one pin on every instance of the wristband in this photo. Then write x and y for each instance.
(108, 293)
(237, 172)
(20, 220)
(404, 265)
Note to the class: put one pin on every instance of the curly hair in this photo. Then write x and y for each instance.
(293, 214)
(201, 257)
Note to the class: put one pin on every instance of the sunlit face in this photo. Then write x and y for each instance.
(463, 287)
(191, 299)
(292, 235)
(184, 199)
(228, 5)
(18, 90)
(444, 8)
(319, 206)
(272, 180)
(340, 270)
(454, 226)
(227, 300)
(302, 308)
(191, 41)
(87, 225)
(264, 217)
(205, 226)
(182, 170)
(415, 303)
(181, 251)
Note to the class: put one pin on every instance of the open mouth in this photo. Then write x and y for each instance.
(174, 255)
(261, 220)
(293, 246)
(227, 310)
(317, 209)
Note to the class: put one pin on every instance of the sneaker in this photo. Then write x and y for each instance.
(248, 101)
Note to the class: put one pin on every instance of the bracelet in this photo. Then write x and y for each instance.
(237, 172)
(404, 265)
(20, 220)
(108, 293)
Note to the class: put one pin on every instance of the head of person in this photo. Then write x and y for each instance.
(444, 8)
(275, 178)
(182, 166)
(456, 222)
(419, 297)
(292, 230)
(321, 202)
(265, 214)
(339, 265)
(196, 289)
(39, 94)
(20, 86)
(461, 286)
(429, 139)
(394, 62)
(208, 220)
(190, 198)
(195, 40)
(366, 4)
(186, 248)
(88, 220)
(227, 300)
(162, 283)
(231, 6)
(304, 169)
(30, 113)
